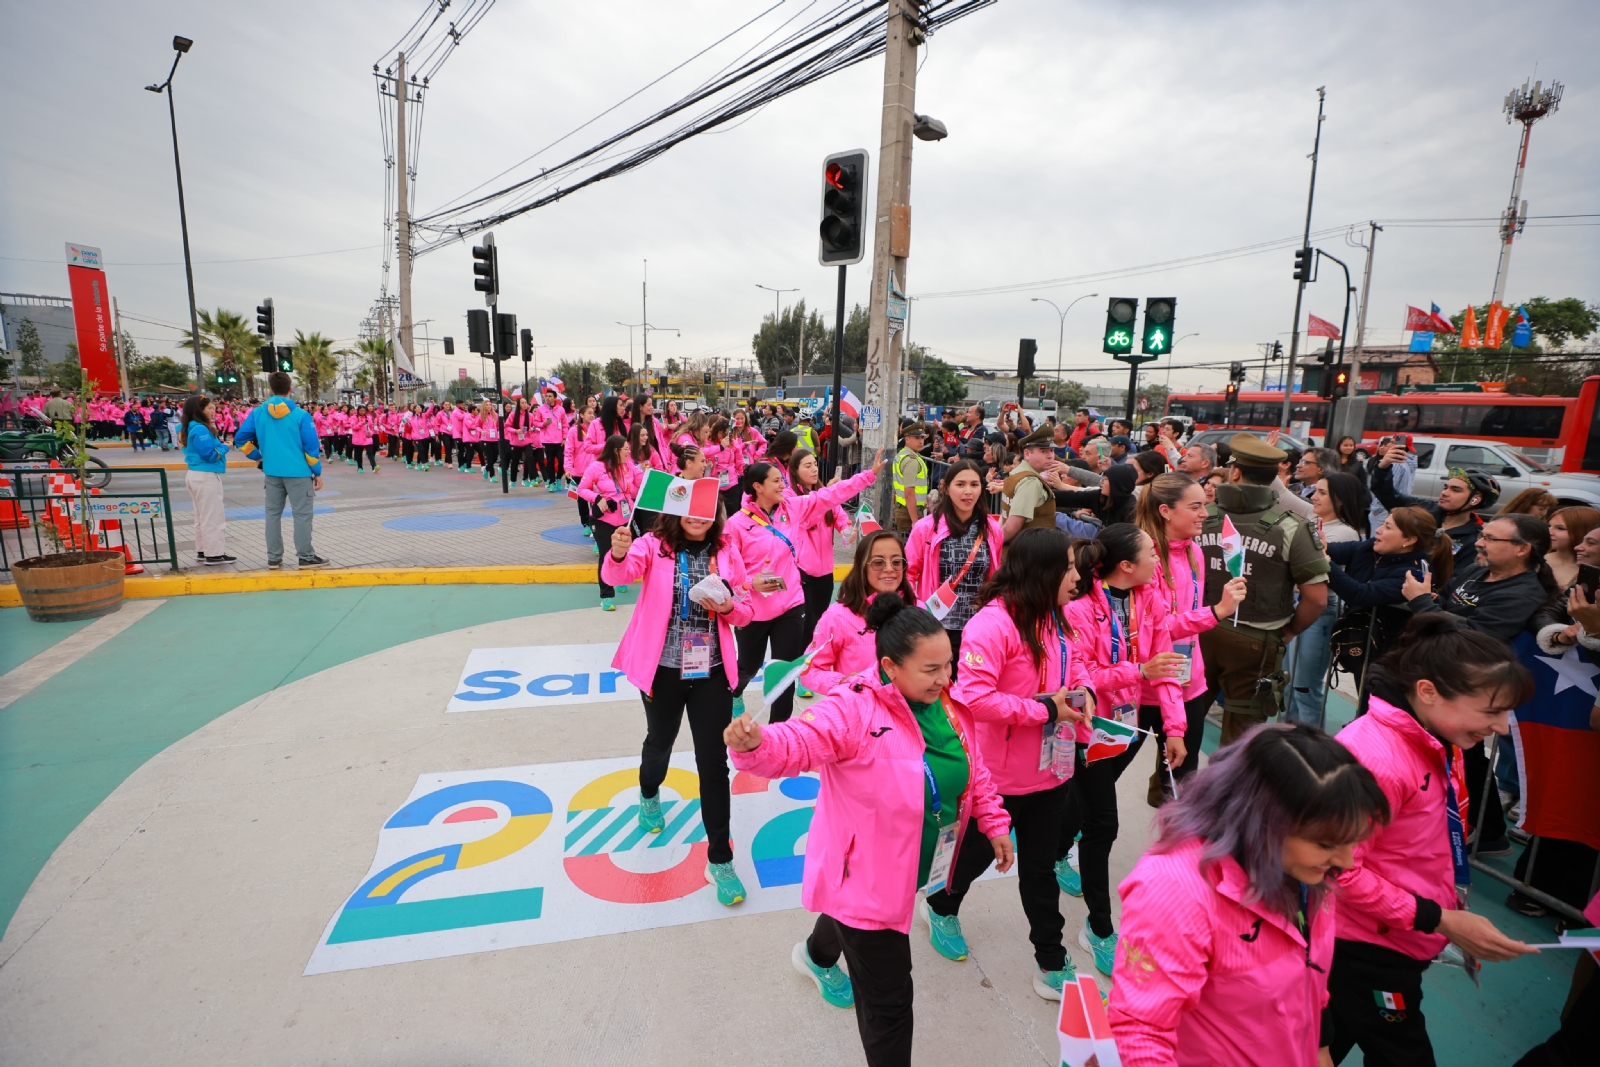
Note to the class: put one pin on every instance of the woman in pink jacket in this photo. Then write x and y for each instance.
(842, 644)
(552, 436)
(767, 530)
(522, 441)
(902, 783)
(814, 538)
(610, 485)
(577, 459)
(1228, 921)
(643, 410)
(1027, 691)
(958, 544)
(363, 430)
(679, 653)
(1172, 510)
(485, 430)
(1124, 637)
(1446, 687)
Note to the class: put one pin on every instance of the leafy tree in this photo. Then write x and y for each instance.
(618, 372)
(1069, 396)
(316, 364)
(1559, 321)
(570, 371)
(230, 341)
(776, 346)
(673, 368)
(941, 385)
(1157, 395)
(374, 374)
(151, 371)
(32, 349)
(68, 374)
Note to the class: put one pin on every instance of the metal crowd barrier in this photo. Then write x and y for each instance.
(141, 520)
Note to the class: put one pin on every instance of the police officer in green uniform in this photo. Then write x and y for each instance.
(1282, 556)
(910, 479)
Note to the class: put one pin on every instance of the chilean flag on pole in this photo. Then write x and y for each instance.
(850, 404)
(1316, 327)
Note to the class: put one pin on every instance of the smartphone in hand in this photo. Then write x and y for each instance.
(1589, 580)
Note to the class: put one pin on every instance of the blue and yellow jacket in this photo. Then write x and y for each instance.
(280, 434)
(203, 451)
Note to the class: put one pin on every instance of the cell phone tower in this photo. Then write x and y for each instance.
(1527, 106)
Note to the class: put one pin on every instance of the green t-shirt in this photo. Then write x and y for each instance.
(948, 761)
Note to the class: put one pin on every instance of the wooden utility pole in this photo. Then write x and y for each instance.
(891, 242)
(1361, 320)
(402, 97)
(122, 359)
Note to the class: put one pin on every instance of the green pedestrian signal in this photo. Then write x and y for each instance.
(1120, 314)
(1158, 315)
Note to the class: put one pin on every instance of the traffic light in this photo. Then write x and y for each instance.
(1327, 355)
(1120, 314)
(844, 207)
(486, 270)
(708, 377)
(505, 335)
(1159, 312)
(586, 389)
(1341, 382)
(1302, 264)
(269, 359)
(265, 319)
(477, 332)
(1026, 348)
(1335, 380)
(1277, 350)
(449, 346)
(1041, 390)
(1236, 372)
(1230, 392)
(527, 346)
(286, 359)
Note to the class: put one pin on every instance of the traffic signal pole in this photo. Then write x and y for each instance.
(1305, 242)
(838, 381)
(891, 237)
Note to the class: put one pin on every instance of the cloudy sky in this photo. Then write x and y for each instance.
(1086, 136)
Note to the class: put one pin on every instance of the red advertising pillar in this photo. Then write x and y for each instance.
(91, 312)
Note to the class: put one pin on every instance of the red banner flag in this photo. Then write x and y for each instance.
(1417, 319)
(91, 312)
(1469, 330)
(1316, 327)
(1494, 330)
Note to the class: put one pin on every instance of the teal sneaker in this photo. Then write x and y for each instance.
(831, 982)
(1067, 877)
(552, 487)
(944, 932)
(607, 604)
(802, 691)
(738, 706)
(650, 820)
(1104, 948)
(729, 889)
(596, 549)
(1048, 983)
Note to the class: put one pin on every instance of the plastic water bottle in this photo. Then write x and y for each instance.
(1064, 750)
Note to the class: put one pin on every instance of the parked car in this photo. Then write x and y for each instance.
(1513, 470)
(1215, 437)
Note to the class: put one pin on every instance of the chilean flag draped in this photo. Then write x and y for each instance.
(1558, 755)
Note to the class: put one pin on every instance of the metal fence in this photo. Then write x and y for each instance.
(37, 518)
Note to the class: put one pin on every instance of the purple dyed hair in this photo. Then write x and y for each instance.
(1278, 779)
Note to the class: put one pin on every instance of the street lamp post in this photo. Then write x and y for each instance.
(182, 45)
(1061, 326)
(1170, 357)
(776, 295)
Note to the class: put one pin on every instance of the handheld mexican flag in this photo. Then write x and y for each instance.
(780, 675)
(1232, 547)
(675, 496)
(865, 522)
(1084, 1030)
(1109, 738)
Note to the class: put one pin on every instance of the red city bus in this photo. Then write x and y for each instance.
(1538, 424)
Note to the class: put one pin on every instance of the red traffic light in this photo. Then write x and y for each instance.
(835, 176)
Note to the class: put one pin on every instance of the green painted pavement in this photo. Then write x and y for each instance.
(65, 746)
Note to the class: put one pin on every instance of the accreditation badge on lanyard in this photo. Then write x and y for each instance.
(1186, 648)
(696, 650)
(1128, 712)
(1047, 731)
(944, 848)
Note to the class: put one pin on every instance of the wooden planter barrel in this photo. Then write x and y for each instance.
(62, 588)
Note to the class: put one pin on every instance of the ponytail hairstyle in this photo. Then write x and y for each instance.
(1028, 582)
(854, 592)
(687, 454)
(610, 417)
(1118, 543)
(1278, 780)
(1457, 659)
(947, 510)
(1535, 533)
(754, 475)
(1419, 523)
(1165, 489)
(611, 454)
(899, 626)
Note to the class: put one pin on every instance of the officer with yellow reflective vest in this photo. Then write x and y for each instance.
(910, 478)
(1281, 557)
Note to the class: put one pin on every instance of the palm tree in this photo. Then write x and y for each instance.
(229, 340)
(374, 354)
(313, 354)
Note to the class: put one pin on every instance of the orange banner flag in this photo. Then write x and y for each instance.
(1469, 330)
(1493, 332)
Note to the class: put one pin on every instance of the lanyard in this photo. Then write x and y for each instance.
(1453, 822)
(1194, 580)
(683, 580)
(977, 543)
(766, 524)
(1133, 629)
(1044, 668)
(933, 787)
